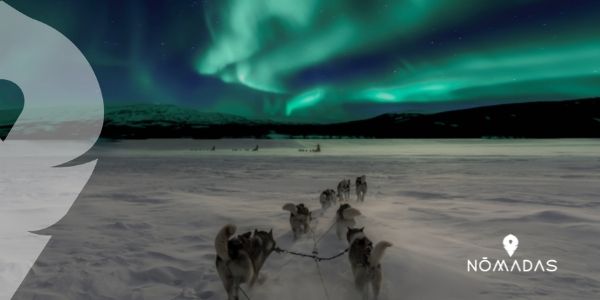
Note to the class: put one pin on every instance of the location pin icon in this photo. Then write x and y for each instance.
(511, 243)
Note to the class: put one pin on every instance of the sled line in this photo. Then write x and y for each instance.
(313, 255)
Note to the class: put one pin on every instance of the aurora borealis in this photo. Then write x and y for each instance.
(323, 61)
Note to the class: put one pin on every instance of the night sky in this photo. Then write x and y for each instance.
(323, 61)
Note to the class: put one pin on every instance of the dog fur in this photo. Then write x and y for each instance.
(327, 198)
(300, 218)
(345, 217)
(365, 261)
(343, 190)
(361, 188)
(240, 259)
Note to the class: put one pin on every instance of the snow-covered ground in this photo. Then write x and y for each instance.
(143, 228)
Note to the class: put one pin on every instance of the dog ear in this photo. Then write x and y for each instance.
(291, 207)
(255, 231)
(362, 229)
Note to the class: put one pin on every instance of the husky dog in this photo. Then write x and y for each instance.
(300, 218)
(327, 198)
(344, 218)
(239, 259)
(343, 190)
(361, 188)
(366, 261)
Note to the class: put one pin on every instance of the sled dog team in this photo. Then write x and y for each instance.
(240, 258)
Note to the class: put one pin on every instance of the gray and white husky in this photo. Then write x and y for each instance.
(300, 218)
(239, 259)
(361, 188)
(365, 261)
(343, 190)
(344, 218)
(327, 198)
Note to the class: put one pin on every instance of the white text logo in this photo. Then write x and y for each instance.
(511, 243)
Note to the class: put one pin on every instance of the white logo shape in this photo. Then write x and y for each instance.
(61, 120)
(511, 243)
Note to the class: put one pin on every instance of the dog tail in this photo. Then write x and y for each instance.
(378, 252)
(350, 213)
(222, 239)
(291, 207)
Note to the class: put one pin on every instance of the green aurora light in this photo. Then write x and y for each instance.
(262, 44)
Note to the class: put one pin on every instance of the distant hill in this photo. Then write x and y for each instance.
(563, 119)
(166, 115)
(165, 121)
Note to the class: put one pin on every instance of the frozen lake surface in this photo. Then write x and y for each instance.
(144, 226)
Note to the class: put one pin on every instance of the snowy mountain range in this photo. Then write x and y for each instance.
(166, 115)
(563, 119)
